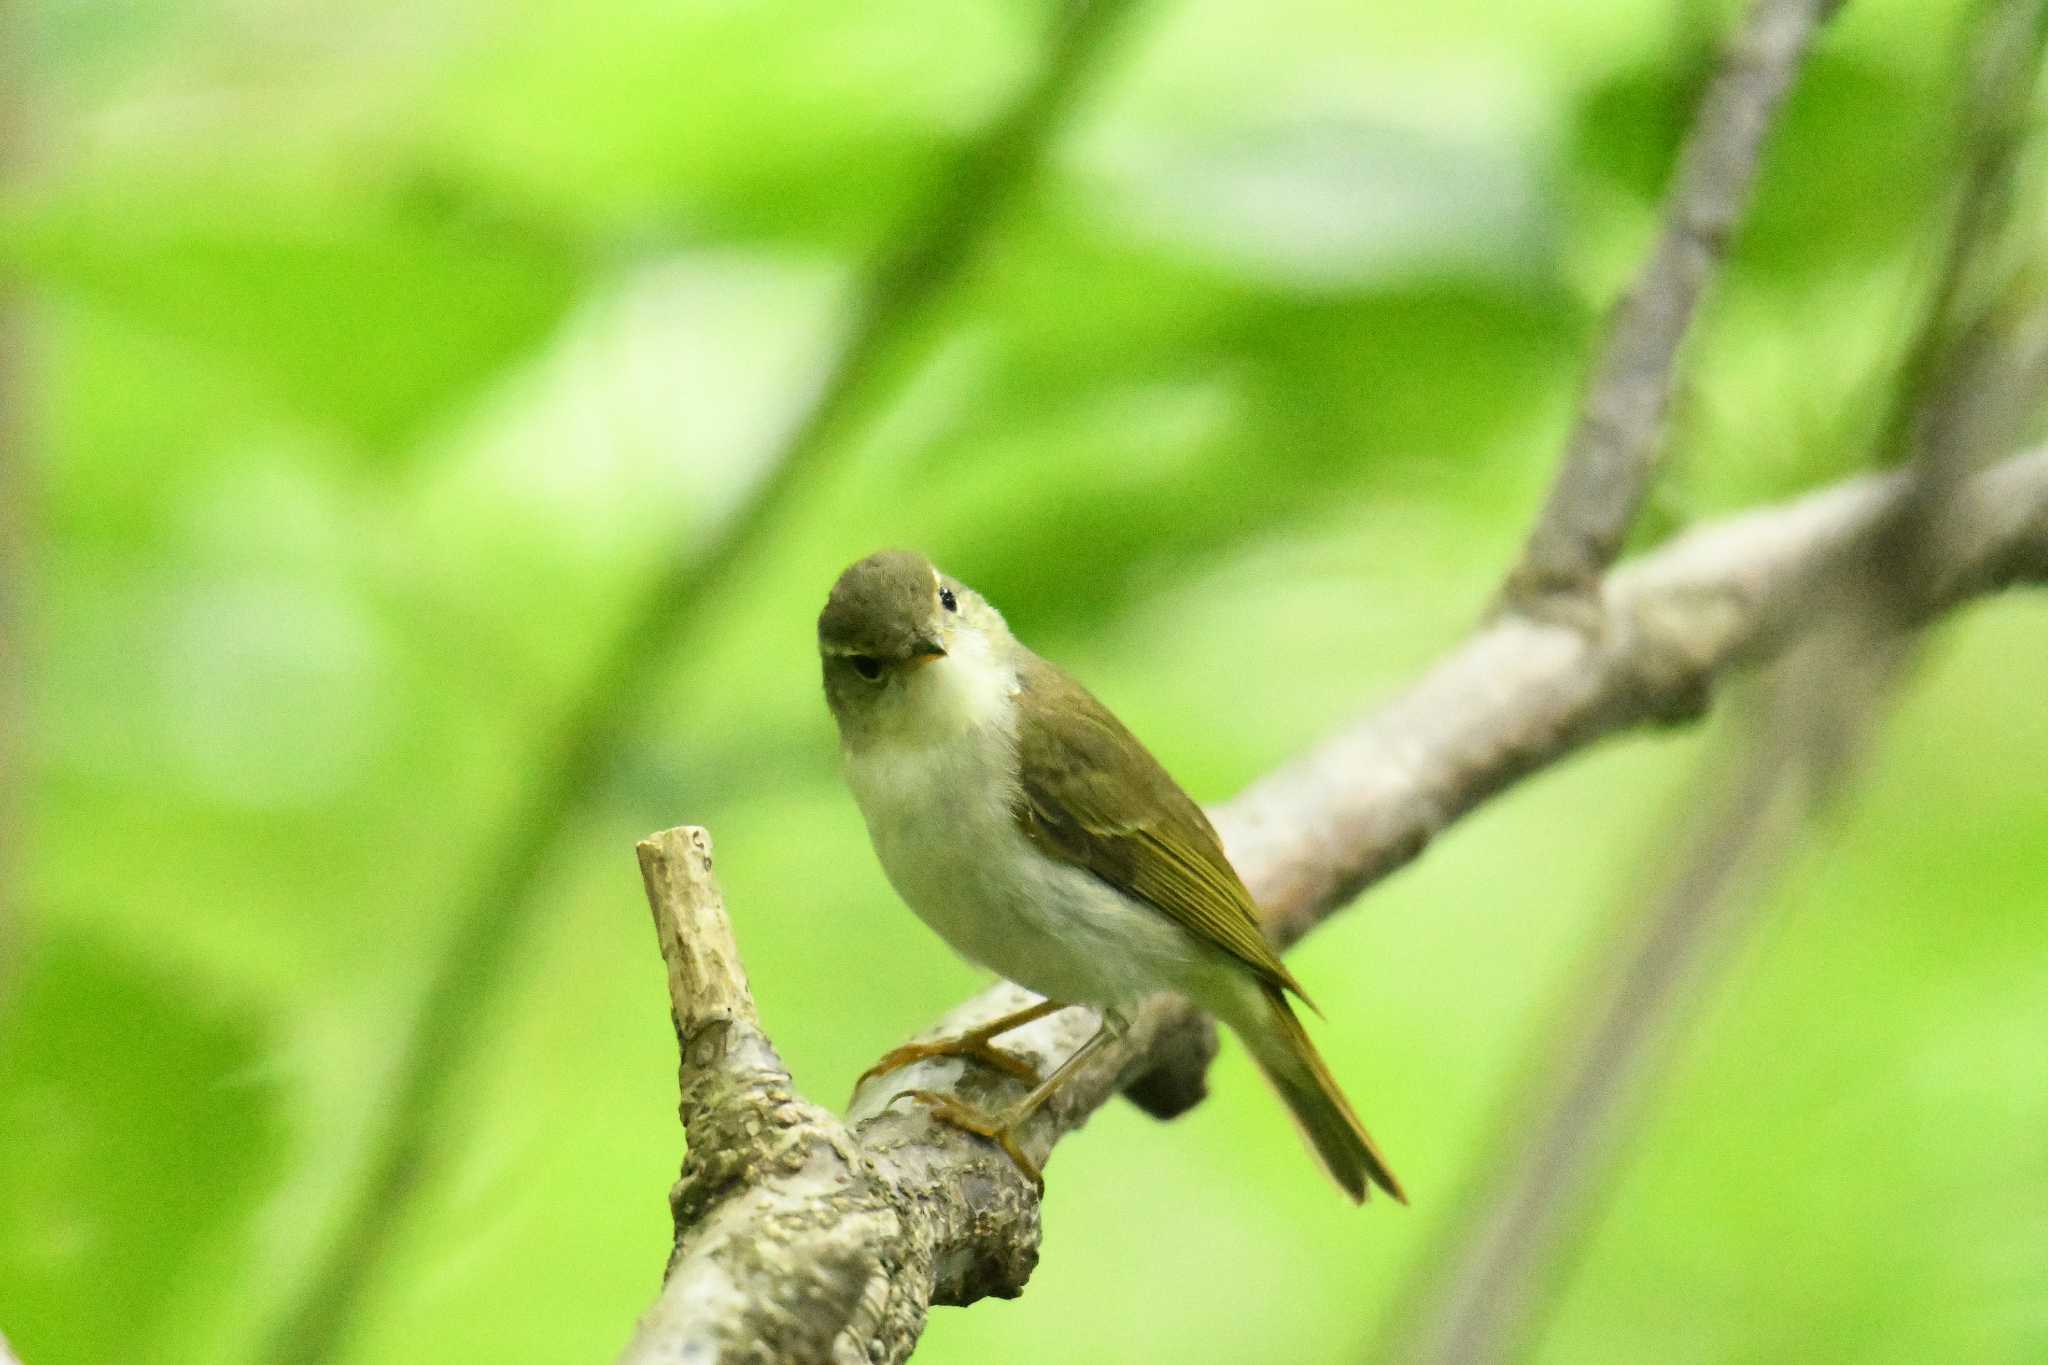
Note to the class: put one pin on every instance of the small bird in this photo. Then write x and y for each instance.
(1036, 835)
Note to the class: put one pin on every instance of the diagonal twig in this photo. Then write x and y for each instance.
(1617, 441)
(898, 293)
(1510, 1251)
(1990, 137)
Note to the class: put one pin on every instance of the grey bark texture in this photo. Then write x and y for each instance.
(801, 1236)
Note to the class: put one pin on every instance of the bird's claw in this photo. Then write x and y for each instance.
(974, 1046)
(1000, 1130)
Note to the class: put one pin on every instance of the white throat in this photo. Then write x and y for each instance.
(970, 694)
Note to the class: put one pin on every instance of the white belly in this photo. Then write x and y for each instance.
(940, 818)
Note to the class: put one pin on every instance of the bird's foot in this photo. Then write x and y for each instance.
(974, 1045)
(1000, 1129)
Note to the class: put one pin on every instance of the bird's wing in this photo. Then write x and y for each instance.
(1092, 796)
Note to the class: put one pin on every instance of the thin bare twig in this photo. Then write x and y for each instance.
(835, 1238)
(1616, 444)
(1990, 136)
(1993, 365)
(1510, 1252)
(1818, 717)
(900, 288)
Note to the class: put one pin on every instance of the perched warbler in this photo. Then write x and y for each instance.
(1039, 838)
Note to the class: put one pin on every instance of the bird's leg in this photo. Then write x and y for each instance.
(1002, 1128)
(975, 1043)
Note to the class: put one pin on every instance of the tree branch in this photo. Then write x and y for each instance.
(1520, 694)
(834, 1249)
(1507, 1251)
(897, 294)
(1612, 454)
(1991, 134)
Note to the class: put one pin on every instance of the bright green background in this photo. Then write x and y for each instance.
(385, 349)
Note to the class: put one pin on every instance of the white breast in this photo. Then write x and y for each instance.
(937, 794)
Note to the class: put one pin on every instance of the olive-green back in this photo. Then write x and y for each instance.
(1091, 795)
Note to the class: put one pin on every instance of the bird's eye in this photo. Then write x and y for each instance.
(868, 666)
(947, 600)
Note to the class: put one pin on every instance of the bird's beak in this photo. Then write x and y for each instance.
(926, 651)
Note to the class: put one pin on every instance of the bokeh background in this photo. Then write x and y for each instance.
(375, 359)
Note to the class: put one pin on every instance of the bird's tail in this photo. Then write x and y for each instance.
(1282, 1049)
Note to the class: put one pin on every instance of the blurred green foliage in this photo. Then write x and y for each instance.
(382, 351)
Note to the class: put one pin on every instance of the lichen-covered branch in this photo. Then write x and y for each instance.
(1613, 451)
(794, 1240)
(774, 1190)
(828, 1240)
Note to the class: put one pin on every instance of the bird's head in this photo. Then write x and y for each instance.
(898, 639)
